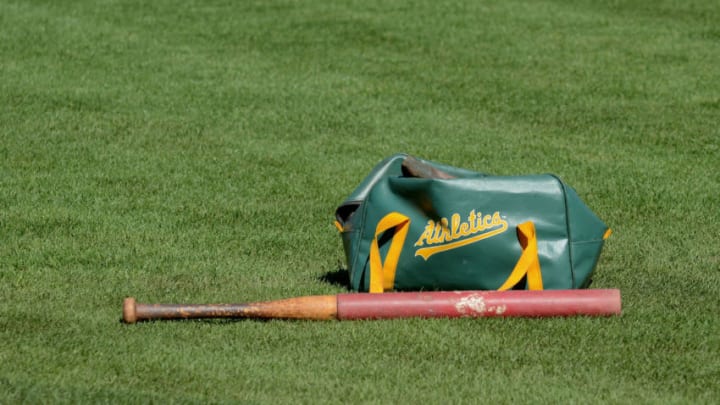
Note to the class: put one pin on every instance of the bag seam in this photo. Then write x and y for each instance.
(361, 234)
(567, 228)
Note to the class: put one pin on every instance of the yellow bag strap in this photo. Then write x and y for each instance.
(382, 275)
(529, 263)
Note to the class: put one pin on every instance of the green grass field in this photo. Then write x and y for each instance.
(196, 151)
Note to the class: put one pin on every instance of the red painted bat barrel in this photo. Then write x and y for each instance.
(454, 304)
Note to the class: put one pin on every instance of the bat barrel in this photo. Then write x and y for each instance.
(454, 304)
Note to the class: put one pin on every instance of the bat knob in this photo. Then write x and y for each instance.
(129, 310)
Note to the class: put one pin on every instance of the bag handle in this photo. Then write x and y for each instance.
(382, 275)
(529, 262)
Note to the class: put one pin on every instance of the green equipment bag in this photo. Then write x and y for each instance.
(414, 224)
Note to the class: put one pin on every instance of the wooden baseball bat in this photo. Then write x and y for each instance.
(442, 304)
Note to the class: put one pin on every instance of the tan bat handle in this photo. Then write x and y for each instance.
(318, 307)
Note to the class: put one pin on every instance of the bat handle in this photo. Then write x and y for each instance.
(320, 307)
(129, 310)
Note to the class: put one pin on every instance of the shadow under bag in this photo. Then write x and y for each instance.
(414, 224)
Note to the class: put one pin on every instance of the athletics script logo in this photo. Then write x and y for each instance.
(443, 235)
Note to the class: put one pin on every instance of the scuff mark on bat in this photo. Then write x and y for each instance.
(475, 305)
(472, 304)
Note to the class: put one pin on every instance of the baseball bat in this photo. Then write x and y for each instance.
(441, 304)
